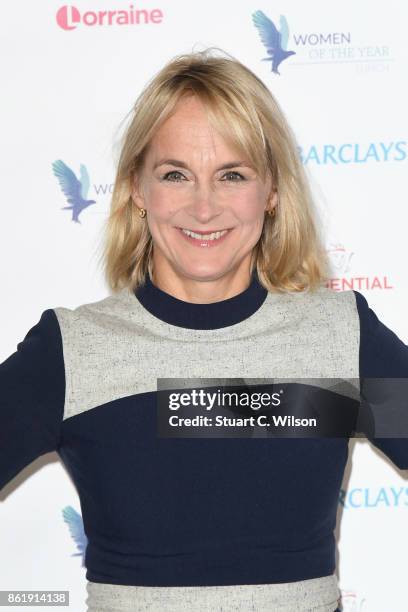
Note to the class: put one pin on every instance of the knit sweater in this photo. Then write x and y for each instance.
(194, 523)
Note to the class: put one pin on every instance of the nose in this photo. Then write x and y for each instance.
(204, 205)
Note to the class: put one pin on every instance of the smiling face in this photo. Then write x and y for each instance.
(193, 180)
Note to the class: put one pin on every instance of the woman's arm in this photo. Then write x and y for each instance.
(32, 393)
(383, 357)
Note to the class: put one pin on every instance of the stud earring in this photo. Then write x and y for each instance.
(142, 212)
(272, 212)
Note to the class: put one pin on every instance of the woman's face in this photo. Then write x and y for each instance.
(193, 180)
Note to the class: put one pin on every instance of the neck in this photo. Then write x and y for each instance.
(209, 315)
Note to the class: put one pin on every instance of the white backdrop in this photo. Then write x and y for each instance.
(69, 80)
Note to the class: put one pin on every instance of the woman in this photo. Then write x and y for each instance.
(217, 270)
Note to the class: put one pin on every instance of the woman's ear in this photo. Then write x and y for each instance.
(272, 200)
(136, 190)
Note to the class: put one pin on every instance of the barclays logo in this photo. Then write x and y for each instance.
(390, 497)
(353, 153)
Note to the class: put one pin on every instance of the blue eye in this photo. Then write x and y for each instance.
(236, 174)
(164, 177)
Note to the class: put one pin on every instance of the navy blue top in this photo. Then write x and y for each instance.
(382, 355)
(115, 481)
(213, 315)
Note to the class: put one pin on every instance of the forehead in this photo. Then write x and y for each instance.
(189, 113)
(188, 131)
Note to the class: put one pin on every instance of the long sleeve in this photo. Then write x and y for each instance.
(32, 393)
(383, 355)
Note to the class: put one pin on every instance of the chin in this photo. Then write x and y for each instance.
(203, 273)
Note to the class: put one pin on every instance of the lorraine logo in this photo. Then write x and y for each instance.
(76, 191)
(69, 17)
(274, 40)
(76, 529)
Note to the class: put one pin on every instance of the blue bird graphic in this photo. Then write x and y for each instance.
(274, 41)
(75, 190)
(76, 528)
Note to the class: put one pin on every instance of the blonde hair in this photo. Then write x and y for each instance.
(289, 255)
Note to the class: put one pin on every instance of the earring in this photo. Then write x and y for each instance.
(271, 212)
(142, 212)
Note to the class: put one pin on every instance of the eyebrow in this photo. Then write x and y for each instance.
(180, 164)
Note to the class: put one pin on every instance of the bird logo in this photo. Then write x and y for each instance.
(274, 40)
(75, 190)
(76, 528)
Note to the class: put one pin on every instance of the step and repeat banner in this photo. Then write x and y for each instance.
(70, 76)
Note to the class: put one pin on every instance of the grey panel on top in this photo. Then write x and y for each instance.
(115, 347)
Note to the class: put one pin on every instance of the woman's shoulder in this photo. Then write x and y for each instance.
(112, 305)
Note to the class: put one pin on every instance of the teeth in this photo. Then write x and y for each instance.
(213, 236)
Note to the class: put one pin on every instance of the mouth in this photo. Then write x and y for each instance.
(209, 238)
